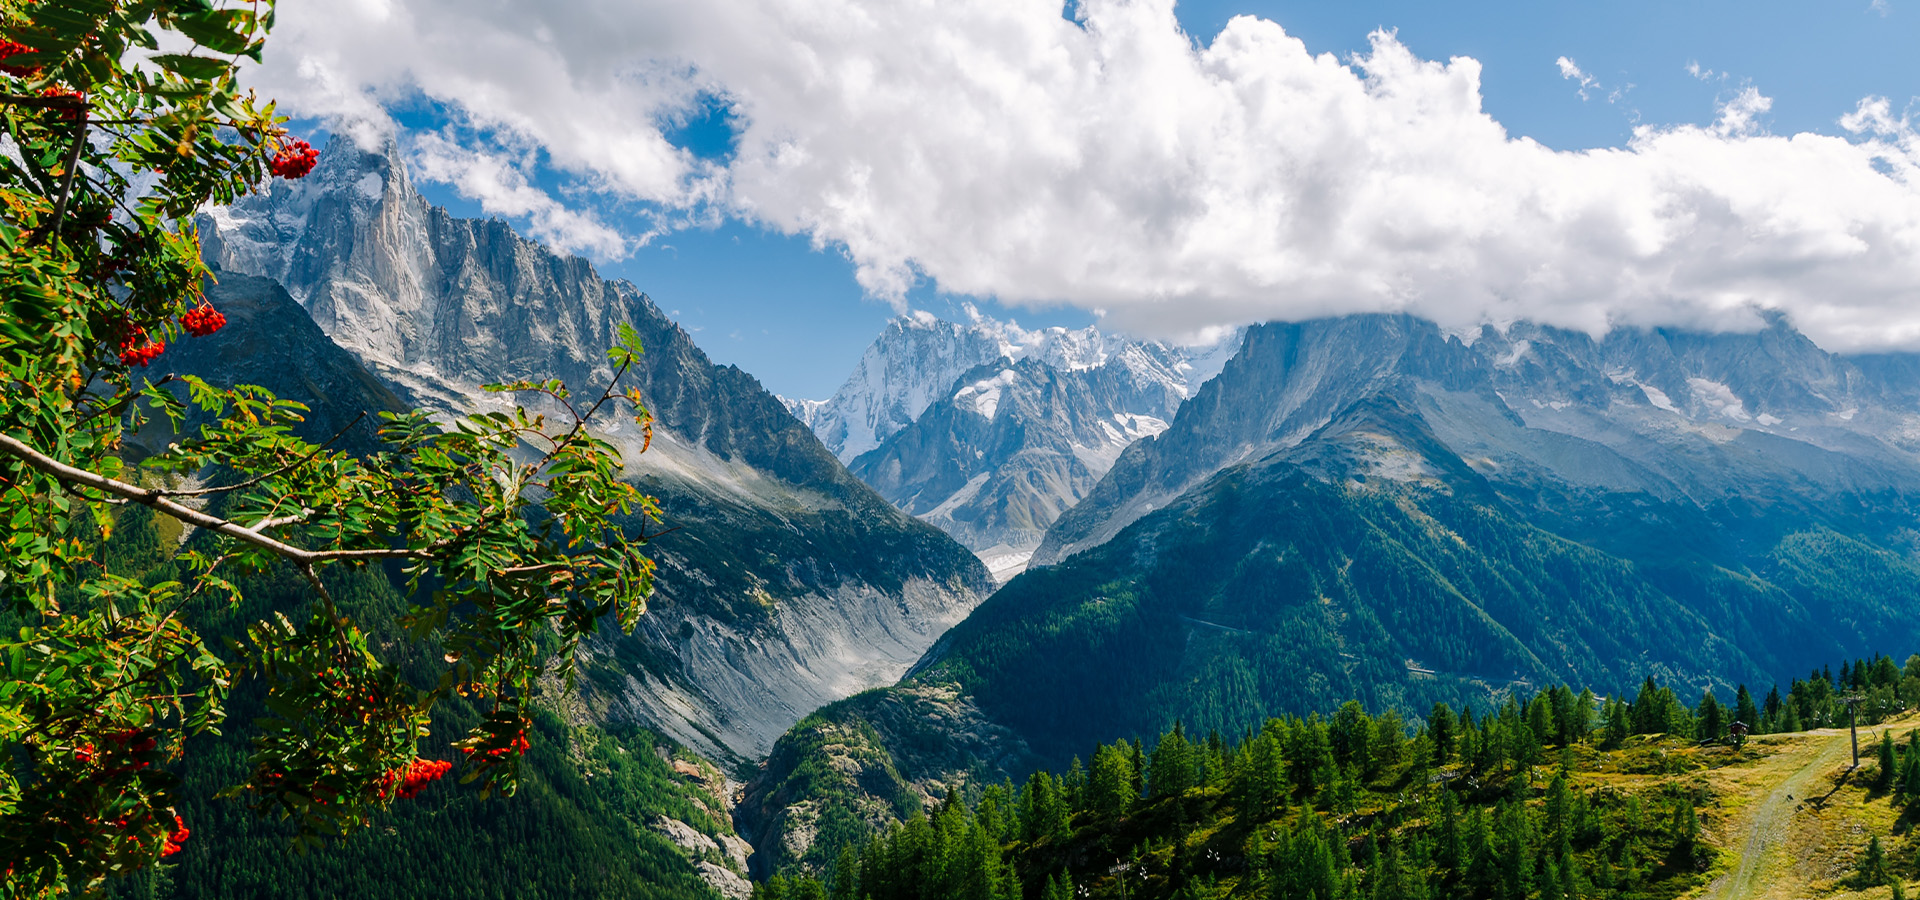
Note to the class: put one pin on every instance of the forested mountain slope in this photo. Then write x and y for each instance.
(786, 583)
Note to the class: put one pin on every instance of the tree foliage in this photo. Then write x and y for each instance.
(503, 523)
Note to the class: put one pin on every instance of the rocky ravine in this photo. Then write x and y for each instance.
(788, 584)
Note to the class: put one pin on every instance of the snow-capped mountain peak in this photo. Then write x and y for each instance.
(916, 361)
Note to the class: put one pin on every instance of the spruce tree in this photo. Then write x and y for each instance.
(1171, 772)
(1873, 870)
(1744, 710)
(1711, 718)
(1442, 727)
(1110, 783)
(1883, 778)
(1618, 726)
(846, 875)
(1449, 851)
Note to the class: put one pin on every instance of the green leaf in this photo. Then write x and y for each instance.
(222, 31)
(199, 68)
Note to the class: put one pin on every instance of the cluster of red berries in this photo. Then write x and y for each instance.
(202, 321)
(413, 779)
(9, 50)
(137, 350)
(294, 160)
(174, 840)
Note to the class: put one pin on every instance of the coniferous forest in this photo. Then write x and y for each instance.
(1559, 795)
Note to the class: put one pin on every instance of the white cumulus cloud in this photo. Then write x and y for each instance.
(1112, 163)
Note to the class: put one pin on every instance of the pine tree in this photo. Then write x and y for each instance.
(1873, 870)
(1711, 717)
(1618, 726)
(1442, 727)
(1172, 769)
(1559, 807)
(846, 877)
(1515, 852)
(1540, 718)
(1450, 850)
(1351, 734)
(1883, 778)
(1686, 827)
(1910, 774)
(1059, 887)
(1743, 708)
(1389, 743)
(1581, 726)
(1649, 713)
(1110, 783)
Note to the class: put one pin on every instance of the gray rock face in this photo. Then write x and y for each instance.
(788, 584)
(1698, 418)
(1012, 447)
(270, 342)
(862, 759)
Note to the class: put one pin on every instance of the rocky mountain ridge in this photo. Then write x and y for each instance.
(990, 431)
(918, 359)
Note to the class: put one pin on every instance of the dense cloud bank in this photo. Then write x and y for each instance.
(1110, 162)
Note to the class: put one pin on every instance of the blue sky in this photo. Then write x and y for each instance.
(797, 318)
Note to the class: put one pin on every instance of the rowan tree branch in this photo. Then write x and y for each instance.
(73, 168)
(159, 503)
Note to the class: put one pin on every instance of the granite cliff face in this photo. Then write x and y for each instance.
(788, 584)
